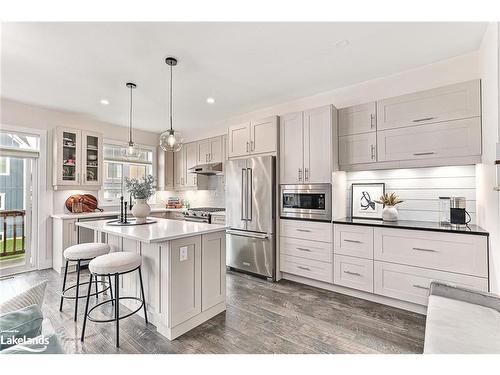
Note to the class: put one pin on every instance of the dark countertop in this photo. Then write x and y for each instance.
(418, 225)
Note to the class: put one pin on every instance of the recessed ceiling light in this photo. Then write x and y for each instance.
(342, 43)
(210, 100)
(104, 101)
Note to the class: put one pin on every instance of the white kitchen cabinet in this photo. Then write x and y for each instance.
(64, 235)
(186, 276)
(165, 170)
(311, 269)
(151, 271)
(238, 139)
(253, 138)
(307, 249)
(210, 150)
(442, 140)
(306, 230)
(291, 148)
(318, 145)
(263, 135)
(213, 270)
(460, 253)
(179, 169)
(412, 284)
(353, 240)
(358, 149)
(191, 160)
(458, 101)
(356, 273)
(78, 160)
(358, 119)
(306, 146)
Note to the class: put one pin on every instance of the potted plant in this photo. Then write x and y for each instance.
(141, 190)
(389, 201)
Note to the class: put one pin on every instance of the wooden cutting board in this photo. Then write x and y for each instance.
(89, 202)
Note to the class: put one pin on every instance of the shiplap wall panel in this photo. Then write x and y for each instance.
(420, 188)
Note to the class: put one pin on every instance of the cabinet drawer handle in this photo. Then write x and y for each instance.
(248, 144)
(422, 249)
(304, 268)
(423, 153)
(303, 230)
(420, 287)
(372, 122)
(352, 273)
(300, 174)
(424, 119)
(303, 249)
(372, 152)
(246, 264)
(353, 241)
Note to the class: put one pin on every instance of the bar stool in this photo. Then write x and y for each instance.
(79, 253)
(116, 264)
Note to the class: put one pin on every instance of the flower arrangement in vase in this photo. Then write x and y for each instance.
(389, 201)
(141, 190)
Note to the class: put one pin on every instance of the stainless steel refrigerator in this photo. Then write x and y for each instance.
(250, 215)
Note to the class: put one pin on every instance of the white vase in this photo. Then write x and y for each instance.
(390, 213)
(141, 210)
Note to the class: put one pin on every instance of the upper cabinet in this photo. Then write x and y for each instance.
(306, 146)
(210, 150)
(441, 126)
(446, 103)
(165, 170)
(191, 160)
(254, 137)
(358, 119)
(77, 159)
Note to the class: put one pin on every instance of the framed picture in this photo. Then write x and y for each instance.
(363, 197)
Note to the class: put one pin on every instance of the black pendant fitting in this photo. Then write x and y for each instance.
(172, 61)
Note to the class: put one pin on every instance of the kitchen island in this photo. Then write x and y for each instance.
(183, 270)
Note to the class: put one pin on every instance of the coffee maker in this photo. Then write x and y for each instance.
(452, 211)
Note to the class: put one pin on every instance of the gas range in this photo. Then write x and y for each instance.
(201, 214)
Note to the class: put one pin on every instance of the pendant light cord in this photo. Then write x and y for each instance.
(130, 117)
(171, 90)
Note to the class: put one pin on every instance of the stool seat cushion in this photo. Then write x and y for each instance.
(118, 262)
(86, 251)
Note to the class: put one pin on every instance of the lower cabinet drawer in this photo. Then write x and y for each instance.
(306, 230)
(412, 283)
(311, 269)
(306, 249)
(353, 272)
(452, 252)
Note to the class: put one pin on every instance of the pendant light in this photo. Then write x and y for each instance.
(130, 151)
(171, 140)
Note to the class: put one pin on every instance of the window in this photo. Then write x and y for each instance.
(117, 167)
(4, 166)
(2, 201)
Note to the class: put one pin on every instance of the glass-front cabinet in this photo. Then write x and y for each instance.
(77, 158)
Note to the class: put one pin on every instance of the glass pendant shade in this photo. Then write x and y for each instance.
(171, 140)
(130, 151)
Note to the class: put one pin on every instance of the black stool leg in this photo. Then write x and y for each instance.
(77, 288)
(143, 298)
(111, 290)
(117, 310)
(64, 285)
(86, 309)
(96, 290)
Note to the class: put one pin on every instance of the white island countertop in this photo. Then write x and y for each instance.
(85, 215)
(161, 231)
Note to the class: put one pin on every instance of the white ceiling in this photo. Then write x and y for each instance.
(244, 66)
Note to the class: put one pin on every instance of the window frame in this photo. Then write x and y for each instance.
(153, 164)
(7, 166)
(2, 201)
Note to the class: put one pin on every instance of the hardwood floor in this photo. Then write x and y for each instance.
(261, 317)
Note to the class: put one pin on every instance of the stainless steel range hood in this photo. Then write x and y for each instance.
(210, 169)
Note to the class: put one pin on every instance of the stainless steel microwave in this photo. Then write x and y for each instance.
(310, 202)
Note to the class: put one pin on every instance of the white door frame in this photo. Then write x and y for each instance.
(42, 208)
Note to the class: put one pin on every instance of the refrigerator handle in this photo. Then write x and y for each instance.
(261, 236)
(249, 194)
(243, 195)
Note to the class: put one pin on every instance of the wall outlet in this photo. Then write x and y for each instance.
(183, 253)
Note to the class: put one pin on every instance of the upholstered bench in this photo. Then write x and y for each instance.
(461, 320)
